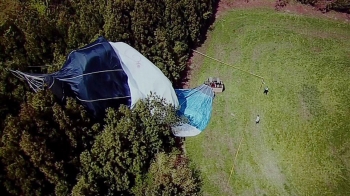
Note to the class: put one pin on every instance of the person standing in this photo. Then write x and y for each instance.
(266, 90)
(257, 120)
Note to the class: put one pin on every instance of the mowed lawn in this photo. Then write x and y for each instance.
(302, 144)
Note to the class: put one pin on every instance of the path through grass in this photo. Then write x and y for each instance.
(302, 145)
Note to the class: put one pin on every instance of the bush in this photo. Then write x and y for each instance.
(170, 174)
(326, 5)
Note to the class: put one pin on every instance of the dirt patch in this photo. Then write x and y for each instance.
(267, 160)
(304, 111)
(292, 7)
(323, 34)
(193, 67)
(308, 10)
(218, 179)
(226, 5)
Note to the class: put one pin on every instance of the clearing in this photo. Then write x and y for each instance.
(301, 146)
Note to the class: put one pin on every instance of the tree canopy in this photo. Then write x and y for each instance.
(122, 153)
(52, 148)
(40, 147)
(170, 174)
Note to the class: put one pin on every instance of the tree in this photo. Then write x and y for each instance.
(40, 147)
(165, 31)
(170, 174)
(122, 153)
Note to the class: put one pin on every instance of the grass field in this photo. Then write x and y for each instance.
(302, 144)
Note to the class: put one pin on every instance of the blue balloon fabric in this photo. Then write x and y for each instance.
(196, 105)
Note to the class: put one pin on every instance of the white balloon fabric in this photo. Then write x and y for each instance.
(185, 130)
(143, 76)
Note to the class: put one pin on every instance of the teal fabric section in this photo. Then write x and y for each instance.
(196, 105)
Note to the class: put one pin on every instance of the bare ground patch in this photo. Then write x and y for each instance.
(266, 160)
(308, 10)
(319, 34)
(292, 7)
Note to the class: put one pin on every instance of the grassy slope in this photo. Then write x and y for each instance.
(302, 145)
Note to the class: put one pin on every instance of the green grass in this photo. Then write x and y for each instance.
(302, 145)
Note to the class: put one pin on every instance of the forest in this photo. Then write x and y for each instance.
(52, 148)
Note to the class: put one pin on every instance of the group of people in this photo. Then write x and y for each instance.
(214, 82)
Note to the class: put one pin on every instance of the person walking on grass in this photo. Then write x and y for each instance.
(257, 120)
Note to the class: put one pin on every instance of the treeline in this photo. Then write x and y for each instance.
(327, 5)
(322, 5)
(53, 148)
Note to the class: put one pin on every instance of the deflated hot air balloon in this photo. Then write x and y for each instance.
(107, 74)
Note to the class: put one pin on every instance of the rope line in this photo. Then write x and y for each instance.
(233, 165)
(229, 65)
(81, 75)
(207, 91)
(89, 101)
(80, 49)
(35, 82)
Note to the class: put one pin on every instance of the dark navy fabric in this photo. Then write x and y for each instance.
(78, 78)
